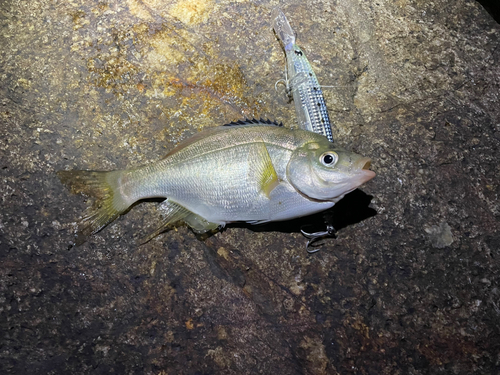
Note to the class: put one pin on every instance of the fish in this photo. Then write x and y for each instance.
(252, 171)
(301, 81)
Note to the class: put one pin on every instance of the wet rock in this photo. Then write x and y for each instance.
(106, 85)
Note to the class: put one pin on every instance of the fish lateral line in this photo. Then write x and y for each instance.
(252, 123)
(196, 137)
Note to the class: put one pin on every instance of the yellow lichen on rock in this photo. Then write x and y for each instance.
(167, 53)
(192, 11)
(189, 12)
(138, 9)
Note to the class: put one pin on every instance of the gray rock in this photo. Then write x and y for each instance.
(104, 85)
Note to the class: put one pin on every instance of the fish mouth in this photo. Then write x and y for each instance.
(363, 166)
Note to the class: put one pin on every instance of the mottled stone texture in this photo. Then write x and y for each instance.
(413, 289)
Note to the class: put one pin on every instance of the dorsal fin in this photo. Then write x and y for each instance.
(253, 122)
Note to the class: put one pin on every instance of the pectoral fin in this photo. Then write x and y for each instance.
(262, 169)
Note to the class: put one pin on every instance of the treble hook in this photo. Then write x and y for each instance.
(285, 82)
(313, 237)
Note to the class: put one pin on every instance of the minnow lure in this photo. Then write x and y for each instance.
(301, 82)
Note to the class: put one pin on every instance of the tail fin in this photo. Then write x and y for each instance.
(283, 29)
(108, 203)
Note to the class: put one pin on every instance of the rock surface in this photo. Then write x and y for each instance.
(413, 289)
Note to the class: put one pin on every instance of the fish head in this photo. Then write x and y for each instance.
(321, 171)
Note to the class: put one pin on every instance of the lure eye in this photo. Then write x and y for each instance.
(329, 158)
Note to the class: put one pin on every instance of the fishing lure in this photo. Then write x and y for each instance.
(301, 82)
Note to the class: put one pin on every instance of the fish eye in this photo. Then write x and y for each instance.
(329, 158)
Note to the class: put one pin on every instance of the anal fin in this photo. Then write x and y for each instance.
(172, 212)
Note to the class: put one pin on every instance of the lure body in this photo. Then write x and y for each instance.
(301, 81)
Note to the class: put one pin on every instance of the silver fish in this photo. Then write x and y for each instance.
(253, 172)
(301, 81)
